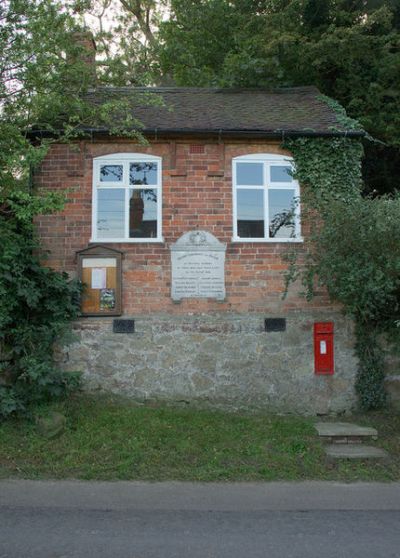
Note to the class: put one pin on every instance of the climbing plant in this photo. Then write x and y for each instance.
(351, 248)
(37, 306)
(45, 84)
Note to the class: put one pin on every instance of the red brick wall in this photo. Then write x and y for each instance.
(197, 193)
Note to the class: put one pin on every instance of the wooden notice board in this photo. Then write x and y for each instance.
(101, 278)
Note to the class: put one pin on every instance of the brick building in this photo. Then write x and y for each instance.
(213, 177)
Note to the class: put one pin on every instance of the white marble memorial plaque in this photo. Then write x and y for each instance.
(198, 267)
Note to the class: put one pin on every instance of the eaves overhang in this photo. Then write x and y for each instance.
(206, 132)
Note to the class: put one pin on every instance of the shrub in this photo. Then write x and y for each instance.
(356, 255)
(352, 249)
(37, 306)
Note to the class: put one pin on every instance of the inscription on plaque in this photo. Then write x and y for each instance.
(198, 267)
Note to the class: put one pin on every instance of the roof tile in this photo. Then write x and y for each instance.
(297, 109)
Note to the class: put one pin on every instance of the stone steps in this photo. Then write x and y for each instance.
(354, 451)
(345, 432)
(345, 441)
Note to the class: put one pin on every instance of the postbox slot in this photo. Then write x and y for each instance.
(323, 327)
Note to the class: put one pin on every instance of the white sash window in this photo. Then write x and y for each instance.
(266, 199)
(127, 198)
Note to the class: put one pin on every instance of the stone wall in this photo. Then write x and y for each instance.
(223, 360)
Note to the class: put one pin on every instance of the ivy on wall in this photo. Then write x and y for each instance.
(351, 248)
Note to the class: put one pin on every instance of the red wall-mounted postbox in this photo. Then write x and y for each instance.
(323, 348)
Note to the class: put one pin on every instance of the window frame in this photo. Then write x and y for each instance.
(102, 252)
(125, 159)
(268, 160)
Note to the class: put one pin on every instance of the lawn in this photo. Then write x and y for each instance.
(108, 438)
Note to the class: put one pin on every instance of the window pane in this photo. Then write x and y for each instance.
(281, 213)
(250, 213)
(249, 174)
(143, 214)
(143, 173)
(110, 173)
(281, 173)
(110, 213)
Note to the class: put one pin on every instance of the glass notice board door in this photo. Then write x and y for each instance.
(101, 278)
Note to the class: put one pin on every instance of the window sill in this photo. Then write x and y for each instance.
(126, 241)
(299, 240)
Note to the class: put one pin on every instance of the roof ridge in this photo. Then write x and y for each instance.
(129, 88)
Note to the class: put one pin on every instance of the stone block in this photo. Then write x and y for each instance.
(201, 383)
(51, 426)
(392, 384)
(344, 429)
(354, 451)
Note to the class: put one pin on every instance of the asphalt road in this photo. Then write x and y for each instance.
(163, 520)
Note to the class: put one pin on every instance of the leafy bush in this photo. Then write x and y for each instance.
(356, 255)
(37, 305)
(44, 78)
(357, 252)
(353, 250)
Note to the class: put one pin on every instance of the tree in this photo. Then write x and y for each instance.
(349, 49)
(43, 79)
(47, 68)
(126, 38)
(196, 39)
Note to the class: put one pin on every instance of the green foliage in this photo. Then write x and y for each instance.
(126, 39)
(328, 167)
(37, 304)
(370, 378)
(352, 249)
(349, 50)
(41, 84)
(45, 79)
(196, 40)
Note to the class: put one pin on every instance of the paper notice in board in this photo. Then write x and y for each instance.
(99, 278)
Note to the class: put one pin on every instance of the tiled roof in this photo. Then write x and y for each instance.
(297, 110)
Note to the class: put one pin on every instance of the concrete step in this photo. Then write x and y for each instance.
(345, 432)
(354, 451)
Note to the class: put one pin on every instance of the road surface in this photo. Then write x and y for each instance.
(72, 519)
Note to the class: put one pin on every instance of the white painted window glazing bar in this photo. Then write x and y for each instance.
(234, 201)
(125, 159)
(268, 161)
(266, 201)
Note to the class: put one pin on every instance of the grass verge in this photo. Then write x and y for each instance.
(108, 439)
